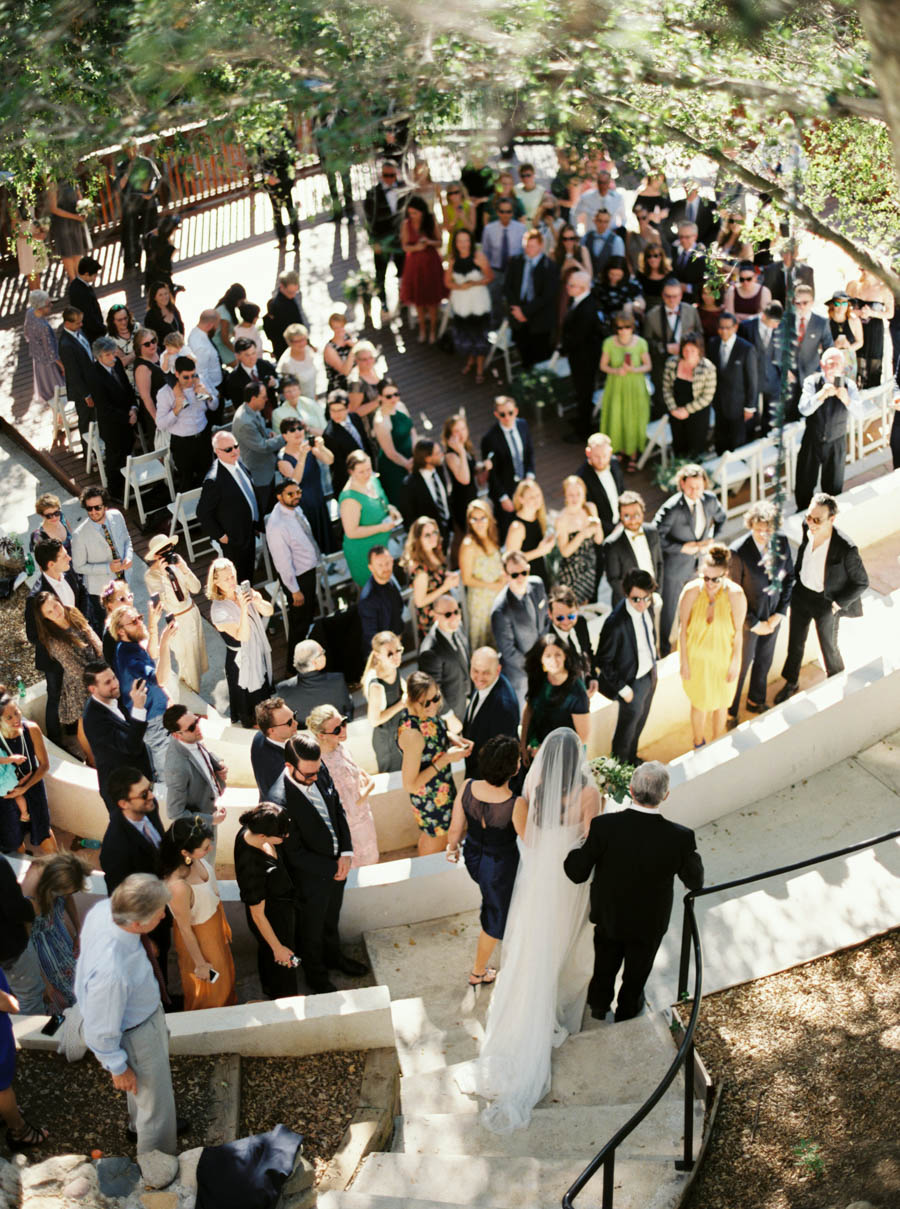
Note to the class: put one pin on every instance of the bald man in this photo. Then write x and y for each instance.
(209, 363)
(582, 342)
(493, 708)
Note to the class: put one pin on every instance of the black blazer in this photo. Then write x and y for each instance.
(267, 760)
(598, 497)
(768, 357)
(845, 576)
(582, 332)
(77, 366)
(637, 857)
(540, 312)
(499, 715)
(338, 440)
(674, 524)
(223, 508)
(441, 659)
(233, 386)
(114, 398)
(692, 272)
(381, 223)
(706, 220)
(308, 848)
(736, 384)
(114, 743)
(125, 850)
(584, 656)
(774, 276)
(617, 652)
(620, 558)
(281, 312)
(42, 660)
(418, 501)
(83, 296)
(746, 569)
(502, 476)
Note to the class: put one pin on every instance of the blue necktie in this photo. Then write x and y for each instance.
(247, 487)
(527, 292)
(504, 248)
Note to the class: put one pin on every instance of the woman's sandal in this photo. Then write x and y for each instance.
(477, 980)
(32, 1135)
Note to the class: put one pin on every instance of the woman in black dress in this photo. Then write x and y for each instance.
(268, 895)
(654, 269)
(160, 250)
(483, 813)
(529, 531)
(162, 315)
(149, 378)
(385, 695)
(299, 460)
(460, 461)
(556, 695)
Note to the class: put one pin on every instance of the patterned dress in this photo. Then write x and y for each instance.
(489, 568)
(436, 576)
(579, 572)
(432, 808)
(348, 782)
(52, 942)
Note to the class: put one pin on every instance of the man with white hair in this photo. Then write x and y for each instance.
(118, 994)
(314, 685)
(227, 509)
(582, 343)
(493, 708)
(637, 853)
(826, 400)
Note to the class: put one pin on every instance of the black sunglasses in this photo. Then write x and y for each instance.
(51, 516)
(432, 700)
(518, 574)
(227, 448)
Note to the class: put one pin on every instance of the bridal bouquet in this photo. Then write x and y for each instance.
(359, 286)
(85, 208)
(612, 777)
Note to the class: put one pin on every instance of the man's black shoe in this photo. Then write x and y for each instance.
(786, 693)
(182, 1126)
(347, 965)
(757, 707)
(322, 988)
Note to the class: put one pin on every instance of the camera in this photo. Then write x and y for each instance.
(838, 381)
(169, 557)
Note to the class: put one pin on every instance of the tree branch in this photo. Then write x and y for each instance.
(754, 90)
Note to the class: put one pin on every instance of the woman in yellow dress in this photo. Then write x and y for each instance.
(711, 615)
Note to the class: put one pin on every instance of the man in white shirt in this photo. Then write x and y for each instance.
(528, 191)
(101, 549)
(827, 400)
(830, 580)
(426, 491)
(627, 656)
(119, 997)
(572, 631)
(183, 412)
(603, 479)
(604, 197)
(227, 508)
(602, 244)
(295, 556)
(209, 363)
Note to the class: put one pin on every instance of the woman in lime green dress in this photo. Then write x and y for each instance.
(366, 516)
(625, 410)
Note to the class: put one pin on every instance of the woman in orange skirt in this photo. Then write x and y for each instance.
(202, 934)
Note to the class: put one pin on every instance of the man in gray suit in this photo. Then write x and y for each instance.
(258, 445)
(444, 655)
(518, 619)
(194, 776)
(813, 337)
(665, 327)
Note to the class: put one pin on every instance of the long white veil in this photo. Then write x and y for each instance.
(540, 993)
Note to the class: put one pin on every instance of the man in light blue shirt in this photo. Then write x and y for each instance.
(118, 994)
(501, 240)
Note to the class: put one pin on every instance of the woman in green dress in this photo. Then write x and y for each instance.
(394, 432)
(625, 410)
(366, 516)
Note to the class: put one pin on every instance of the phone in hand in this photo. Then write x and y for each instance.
(213, 974)
(838, 381)
(170, 617)
(154, 599)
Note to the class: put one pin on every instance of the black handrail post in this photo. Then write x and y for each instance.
(609, 1171)
(688, 1161)
(685, 962)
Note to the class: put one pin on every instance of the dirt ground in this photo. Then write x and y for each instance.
(809, 1063)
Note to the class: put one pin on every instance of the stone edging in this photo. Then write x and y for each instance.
(372, 1124)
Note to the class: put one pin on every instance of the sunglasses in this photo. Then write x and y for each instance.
(569, 238)
(432, 700)
(639, 599)
(114, 310)
(713, 579)
(504, 211)
(505, 414)
(654, 255)
(453, 193)
(518, 574)
(144, 796)
(750, 278)
(394, 394)
(193, 726)
(94, 507)
(564, 617)
(397, 652)
(449, 613)
(342, 722)
(52, 516)
(149, 343)
(227, 448)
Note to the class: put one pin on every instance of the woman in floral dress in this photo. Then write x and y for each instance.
(481, 570)
(429, 752)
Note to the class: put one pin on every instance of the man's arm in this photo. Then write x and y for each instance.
(103, 1012)
(581, 861)
(527, 451)
(207, 508)
(505, 637)
(691, 871)
(280, 550)
(857, 578)
(177, 776)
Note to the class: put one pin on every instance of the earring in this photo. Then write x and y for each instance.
(188, 860)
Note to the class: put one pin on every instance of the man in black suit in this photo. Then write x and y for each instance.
(83, 296)
(276, 723)
(425, 489)
(637, 854)
(603, 479)
(131, 845)
(665, 326)
(687, 524)
(493, 708)
(383, 212)
(518, 618)
(227, 509)
(343, 435)
(57, 577)
(735, 401)
(582, 342)
(530, 289)
(827, 400)
(763, 333)
(380, 604)
(829, 582)
(634, 545)
(250, 367)
(779, 273)
(313, 685)
(77, 358)
(444, 655)
(689, 264)
(768, 596)
(283, 309)
(571, 631)
(115, 733)
(116, 409)
(694, 209)
(626, 659)
(317, 854)
(507, 447)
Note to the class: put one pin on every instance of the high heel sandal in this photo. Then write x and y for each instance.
(31, 1135)
(485, 979)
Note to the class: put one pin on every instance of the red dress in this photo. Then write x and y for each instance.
(422, 283)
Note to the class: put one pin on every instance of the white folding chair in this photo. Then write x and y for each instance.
(501, 342)
(276, 593)
(262, 548)
(65, 417)
(184, 512)
(659, 438)
(93, 452)
(144, 470)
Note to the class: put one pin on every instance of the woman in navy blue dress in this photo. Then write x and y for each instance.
(483, 813)
(20, 1135)
(299, 460)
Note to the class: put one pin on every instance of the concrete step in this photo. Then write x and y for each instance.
(605, 1064)
(576, 1132)
(505, 1183)
(424, 1045)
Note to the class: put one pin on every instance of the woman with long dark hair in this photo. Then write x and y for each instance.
(422, 283)
(22, 741)
(467, 277)
(226, 307)
(163, 316)
(268, 895)
(429, 752)
(66, 636)
(556, 695)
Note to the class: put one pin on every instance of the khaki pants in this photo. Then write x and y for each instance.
(152, 1110)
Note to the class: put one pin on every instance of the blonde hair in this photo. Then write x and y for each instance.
(665, 265)
(296, 331)
(317, 717)
(46, 501)
(379, 641)
(365, 346)
(519, 495)
(493, 535)
(213, 591)
(114, 621)
(61, 874)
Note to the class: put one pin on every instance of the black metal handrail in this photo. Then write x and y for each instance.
(690, 940)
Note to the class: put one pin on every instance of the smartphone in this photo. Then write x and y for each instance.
(170, 617)
(246, 587)
(838, 381)
(154, 599)
(53, 1024)
(213, 974)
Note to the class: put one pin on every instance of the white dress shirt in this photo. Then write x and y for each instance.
(200, 757)
(646, 653)
(640, 547)
(436, 491)
(191, 420)
(209, 366)
(391, 196)
(476, 701)
(115, 986)
(608, 483)
(592, 201)
(291, 544)
(812, 572)
(245, 483)
(568, 638)
(62, 589)
(146, 828)
(138, 714)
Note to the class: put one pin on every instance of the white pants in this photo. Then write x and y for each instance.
(152, 1110)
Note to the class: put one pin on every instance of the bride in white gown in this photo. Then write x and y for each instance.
(540, 992)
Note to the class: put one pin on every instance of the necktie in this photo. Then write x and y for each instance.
(348, 424)
(515, 444)
(527, 292)
(504, 248)
(303, 521)
(82, 340)
(176, 584)
(474, 706)
(691, 211)
(246, 487)
(209, 764)
(801, 331)
(437, 492)
(150, 833)
(764, 335)
(112, 547)
(649, 635)
(673, 321)
(315, 797)
(723, 356)
(460, 644)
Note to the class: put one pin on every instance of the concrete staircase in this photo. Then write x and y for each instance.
(443, 1158)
